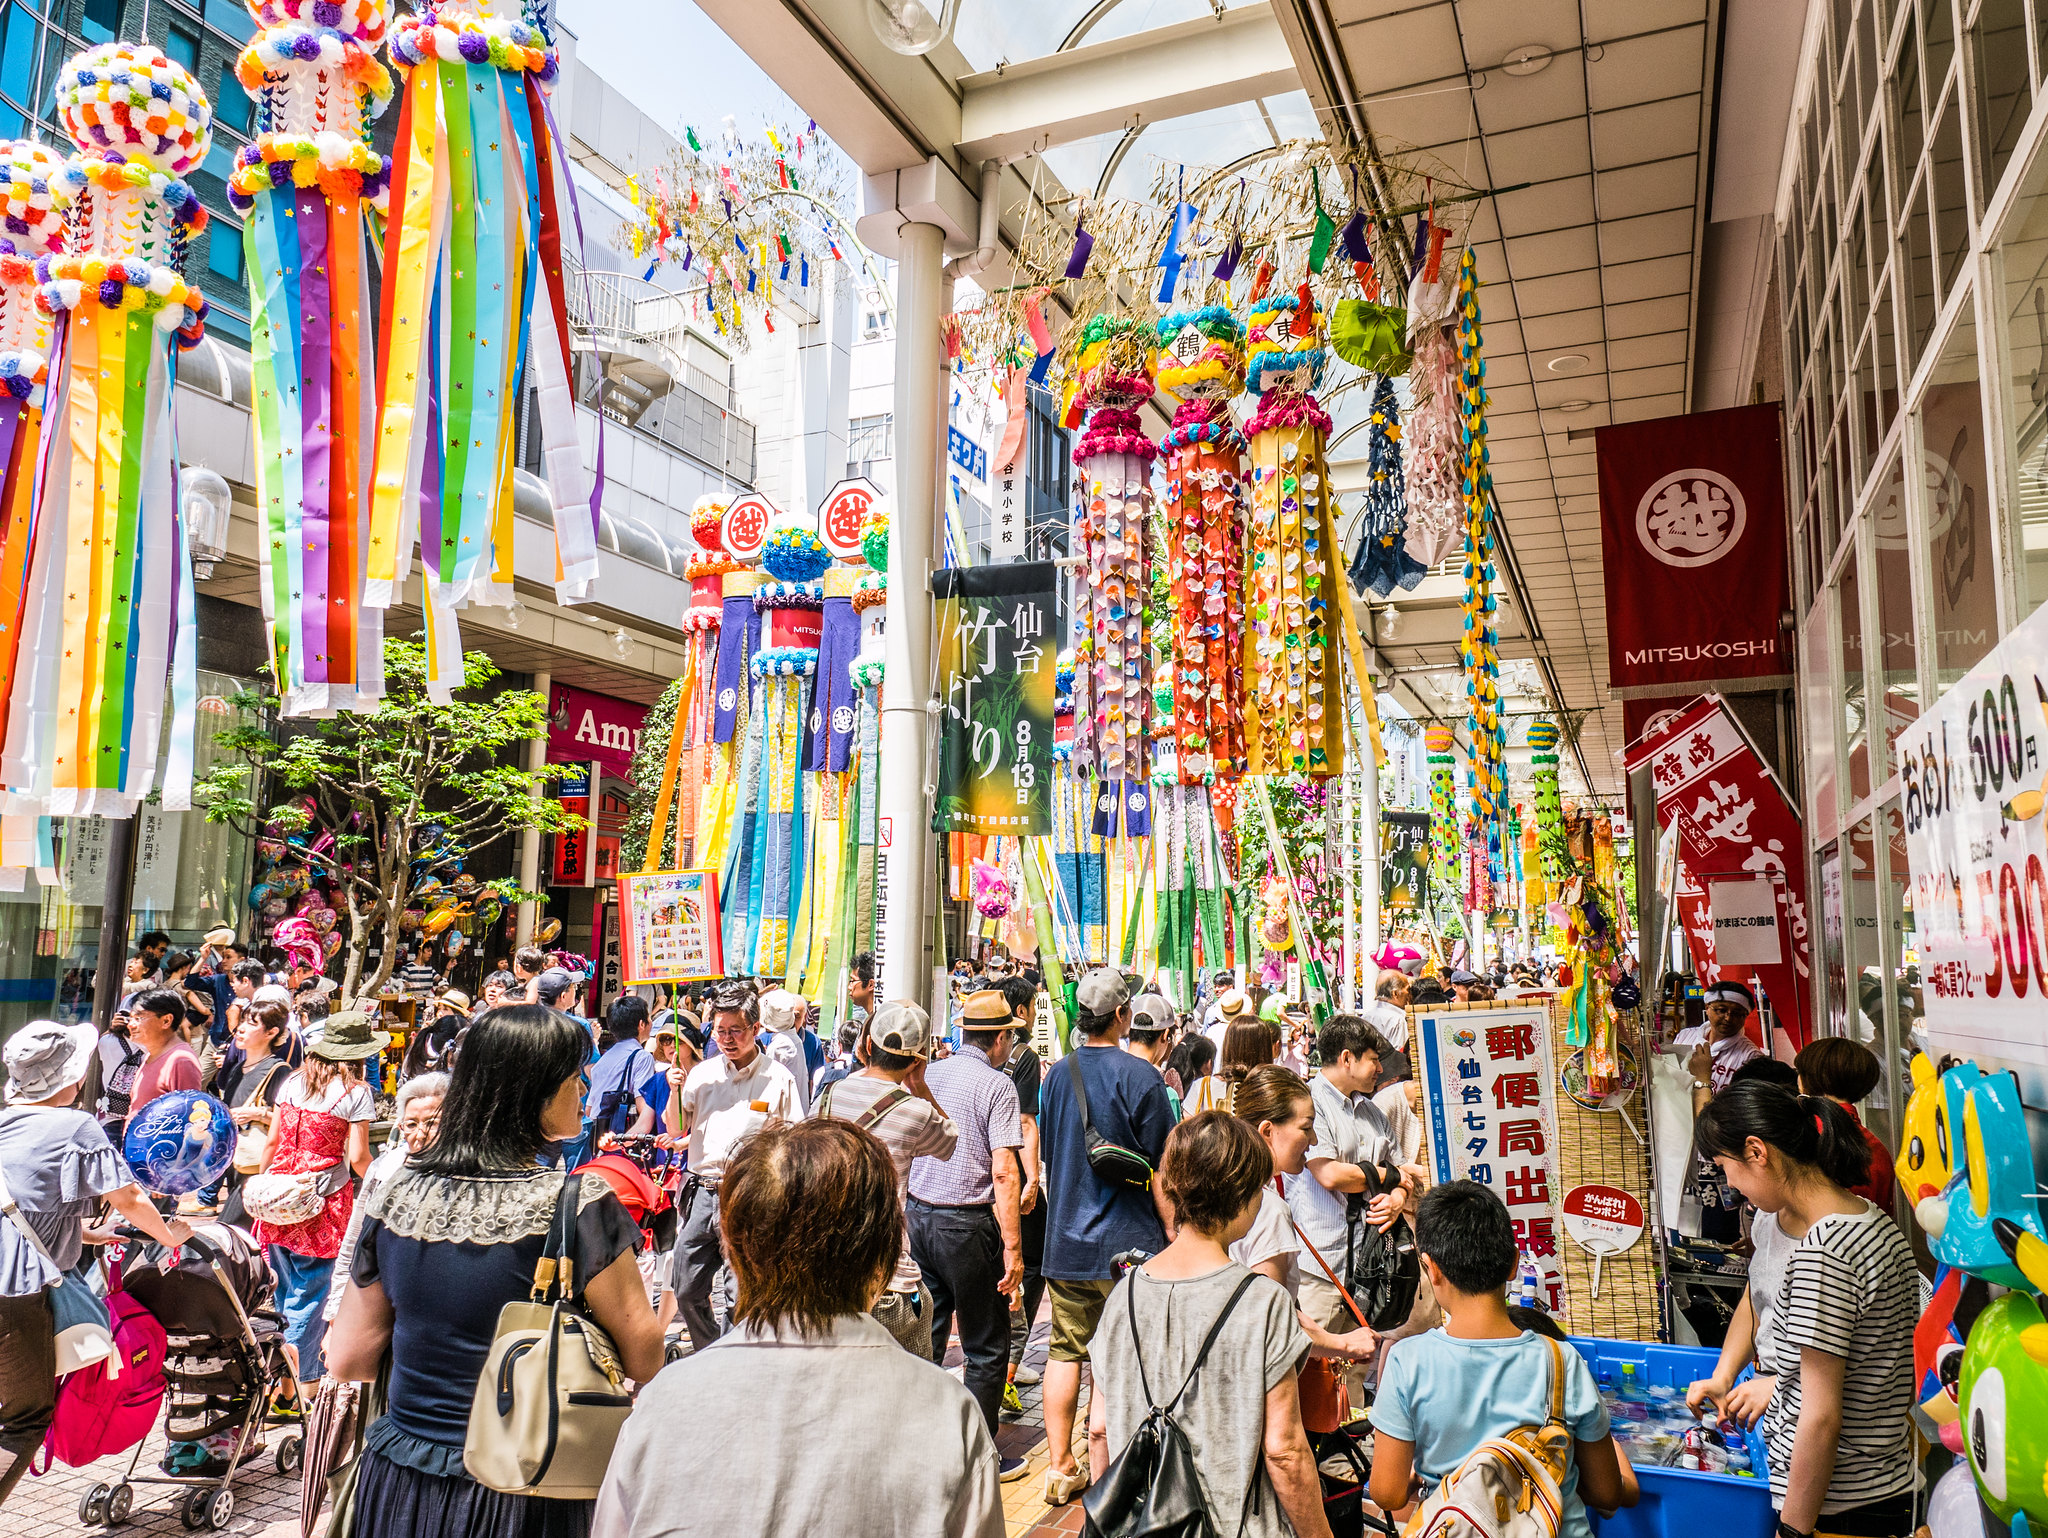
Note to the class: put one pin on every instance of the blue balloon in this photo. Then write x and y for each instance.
(180, 1142)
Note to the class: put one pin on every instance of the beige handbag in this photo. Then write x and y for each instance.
(552, 1397)
(252, 1143)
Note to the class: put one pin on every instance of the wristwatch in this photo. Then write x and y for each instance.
(1787, 1530)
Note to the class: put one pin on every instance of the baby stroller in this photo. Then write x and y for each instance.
(225, 1362)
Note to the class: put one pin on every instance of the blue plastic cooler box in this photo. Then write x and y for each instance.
(1680, 1503)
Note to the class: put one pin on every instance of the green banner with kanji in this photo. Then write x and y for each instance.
(997, 658)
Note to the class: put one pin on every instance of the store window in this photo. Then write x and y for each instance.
(190, 876)
(1849, 677)
(1964, 594)
(1894, 562)
(1817, 674)
(2024, 252)
(1998, 43)
(1834, 964)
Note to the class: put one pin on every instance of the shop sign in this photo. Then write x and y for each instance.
(1692, 541)
(583, 726)
(1491, 1084)
(1745, 922)
(1404, 861)
(1971, 778)
(996, 669)
(574, 847)
(1733, 819)
(970, 456)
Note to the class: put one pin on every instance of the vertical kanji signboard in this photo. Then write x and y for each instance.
(1491, 1083)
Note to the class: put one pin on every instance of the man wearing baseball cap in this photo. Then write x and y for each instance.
(887, 1096)
(1092, 1218)
(963, 1210)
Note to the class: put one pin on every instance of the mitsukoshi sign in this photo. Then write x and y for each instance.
(1692, 540)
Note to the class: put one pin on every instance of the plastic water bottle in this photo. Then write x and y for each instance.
(1531, 1281)
(1631, 1386)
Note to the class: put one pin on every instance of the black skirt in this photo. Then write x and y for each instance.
(409, 1488)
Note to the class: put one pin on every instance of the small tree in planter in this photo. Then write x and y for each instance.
(379, 780)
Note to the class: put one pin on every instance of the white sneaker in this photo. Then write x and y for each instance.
(1025, 1377)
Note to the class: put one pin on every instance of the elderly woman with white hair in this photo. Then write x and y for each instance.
(58, 1168)
(415, 1118)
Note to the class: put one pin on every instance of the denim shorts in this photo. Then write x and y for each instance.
(302, 1283)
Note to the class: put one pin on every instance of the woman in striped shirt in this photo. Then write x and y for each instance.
(1839, 1443)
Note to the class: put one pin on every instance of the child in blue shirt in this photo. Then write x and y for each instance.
(1480, 1375)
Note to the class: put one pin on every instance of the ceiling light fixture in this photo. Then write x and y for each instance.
(622, 644)
(1390, 622)
(1567, 363)
(513, 615)
(912, 26)
(1529, 59)
(1574, 406)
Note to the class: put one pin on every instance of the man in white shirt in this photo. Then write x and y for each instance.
(1719, 1047)
(1234, 1006)
(1389, 1016)
(721, 1103)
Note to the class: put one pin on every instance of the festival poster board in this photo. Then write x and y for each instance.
(1490, 1079)
(669, 926)
(997, 660)
(1970, 788)
(1404, 861)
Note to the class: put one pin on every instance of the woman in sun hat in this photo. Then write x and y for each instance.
(57, 1166)
(321, 1135)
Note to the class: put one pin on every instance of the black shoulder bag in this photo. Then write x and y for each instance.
(1382, 1270)
(1152, 1488)
(1112, 1161)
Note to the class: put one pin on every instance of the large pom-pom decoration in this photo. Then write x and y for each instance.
(109, 623)
(1549, 804)
(1113, 540)
(34, 229)
(1201, 359)
(989, 885)
(1438, 742)
(1486, 771)
(1383, 562)
(304, 185)
(1293, 680)
(481, 213)
(794, 552)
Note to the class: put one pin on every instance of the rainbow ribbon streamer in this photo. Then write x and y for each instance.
(303, 186)
(107, 616)
(473, 279)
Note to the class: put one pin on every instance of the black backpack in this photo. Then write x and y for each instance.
(1152, 1488)
(1382, 1271)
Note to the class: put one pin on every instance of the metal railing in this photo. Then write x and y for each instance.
(618, 309)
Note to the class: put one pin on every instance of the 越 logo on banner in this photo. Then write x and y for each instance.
(1735, 825)
(996, 667)
(842, 513)
(1491, 1086)
(1971, 779)
(1692, 541)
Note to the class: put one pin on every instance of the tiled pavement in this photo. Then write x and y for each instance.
(267, 1503)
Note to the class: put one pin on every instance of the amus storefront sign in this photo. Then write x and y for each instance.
(585, 727)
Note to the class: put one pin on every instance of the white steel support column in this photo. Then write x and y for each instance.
(906, 806)
(1368, 842)
(529, 838)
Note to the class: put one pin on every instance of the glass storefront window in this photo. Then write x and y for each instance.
(1817, 679)
(1895, 608)
(190, 876)
(2024, 250)
(1854, 701)
(1917, 243)
(1833, 955)
(1998, 43)
(1951, 217)
(1958, 510)
(1897, 963)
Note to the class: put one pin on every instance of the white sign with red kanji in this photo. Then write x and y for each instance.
(1491, 1086)
(843, 513)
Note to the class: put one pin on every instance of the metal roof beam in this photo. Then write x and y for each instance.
(1103, 87)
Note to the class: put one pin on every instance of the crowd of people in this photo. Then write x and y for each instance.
(1178, 1194)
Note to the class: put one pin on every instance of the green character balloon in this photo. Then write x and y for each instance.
(2003, 1393)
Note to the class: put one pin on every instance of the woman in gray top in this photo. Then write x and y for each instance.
(58, 1167)
(1257, 1471)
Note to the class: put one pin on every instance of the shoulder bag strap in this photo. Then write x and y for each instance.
(1208, 1340)
(1088, 1132)
(1342, 1291)
(1556, 1380)
(881, 1108)
(823, 1109)
(35, 1239)
(266, 1092)
(551, 1265)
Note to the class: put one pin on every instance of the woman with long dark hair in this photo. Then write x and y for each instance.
(450, 1239)
(1189, 1062)
(1248, 1044)
(1833, 1282)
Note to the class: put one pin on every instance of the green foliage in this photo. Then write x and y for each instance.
(378, 779)
(649, 759)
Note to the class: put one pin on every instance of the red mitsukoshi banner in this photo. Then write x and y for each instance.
(1692, 541)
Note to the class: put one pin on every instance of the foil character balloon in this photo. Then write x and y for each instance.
(179, 1142)
(2003, 1397)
